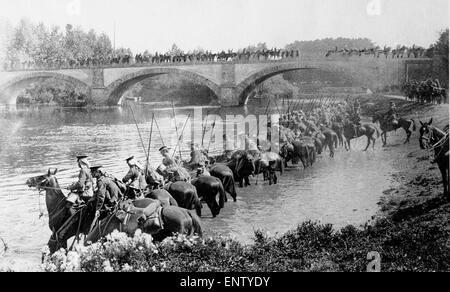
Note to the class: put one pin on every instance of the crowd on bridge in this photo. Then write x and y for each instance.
(376, 52)
(144, 59)
(425, 91)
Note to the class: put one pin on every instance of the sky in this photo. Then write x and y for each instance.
(233, 24)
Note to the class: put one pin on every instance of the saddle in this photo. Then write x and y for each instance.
(149, 219)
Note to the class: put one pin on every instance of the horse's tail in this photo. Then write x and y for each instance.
(222, 195)
(196, 225)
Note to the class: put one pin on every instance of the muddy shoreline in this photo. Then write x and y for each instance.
(417, 186)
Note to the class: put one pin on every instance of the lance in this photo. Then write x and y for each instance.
(139, 132)
(267, 107)
(181, 137)
(176, 127)
(205, 123)
(149, 144)
(159, 131)
(212, 131)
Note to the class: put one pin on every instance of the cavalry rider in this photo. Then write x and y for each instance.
(83, 188)
(107, 194)
(354, 116)
(135, 179)
(167, 163)
(392, 115)
(197, 157)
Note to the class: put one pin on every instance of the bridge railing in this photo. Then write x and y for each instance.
(301, 58)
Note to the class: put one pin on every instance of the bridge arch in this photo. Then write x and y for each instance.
(11, 88)
(244, 89)
(115, 90)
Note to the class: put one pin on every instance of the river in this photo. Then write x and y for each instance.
(341, 190)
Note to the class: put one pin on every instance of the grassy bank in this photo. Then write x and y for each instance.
(411, 232)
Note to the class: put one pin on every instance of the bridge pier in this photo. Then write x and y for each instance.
(99, 97)
(228, 96)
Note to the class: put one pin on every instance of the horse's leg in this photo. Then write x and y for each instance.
(368, 144)
(408, 135)
(373, 141)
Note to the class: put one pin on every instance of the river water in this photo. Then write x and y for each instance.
(341, 190)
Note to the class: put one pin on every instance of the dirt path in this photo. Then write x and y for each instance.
(417, 185)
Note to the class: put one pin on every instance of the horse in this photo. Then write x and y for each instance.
(386, 126)
(186, 196)
(243, 166)
(174, 220)
(208, 187)
(225, 174)
(65, 225)
(163, 196)
(367, 130)
(432, 138)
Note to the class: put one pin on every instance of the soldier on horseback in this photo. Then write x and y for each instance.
(392, 115)
(83, 188)
(135, 179)
(107, 194)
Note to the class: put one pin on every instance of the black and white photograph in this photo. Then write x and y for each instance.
(224, 136)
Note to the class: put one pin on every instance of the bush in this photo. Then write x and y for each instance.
(415, 245)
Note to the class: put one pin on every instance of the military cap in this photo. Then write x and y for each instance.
(95, 168)
(129, 158)
(163, 148)
(82, 157)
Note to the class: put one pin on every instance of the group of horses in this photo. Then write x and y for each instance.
(158, 58)
(376, 52)
(426, 91)
(176, 207)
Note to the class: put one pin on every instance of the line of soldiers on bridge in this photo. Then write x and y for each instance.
(425, 91)
(158, 58)
(399, 52)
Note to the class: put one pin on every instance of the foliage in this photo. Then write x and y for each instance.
(417, 244)
(41, 45)
(53, 91)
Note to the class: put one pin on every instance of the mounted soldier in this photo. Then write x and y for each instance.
(81, 190)
(392, 115)
(135, 179)
(107, 194)
(197, 157)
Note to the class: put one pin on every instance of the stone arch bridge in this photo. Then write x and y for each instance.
(230, 82)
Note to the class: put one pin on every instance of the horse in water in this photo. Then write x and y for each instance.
(65, 225)
(387, 125)
(431, 138)
(367, 130)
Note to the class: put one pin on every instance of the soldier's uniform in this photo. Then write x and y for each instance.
(135, 179)
(83, 188)
(392, 114)
(107, 194)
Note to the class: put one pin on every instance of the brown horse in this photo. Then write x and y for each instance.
(386, 126)
(62, 223)
(431, 138)
(174, 220)
(367, 130)
(65, 225)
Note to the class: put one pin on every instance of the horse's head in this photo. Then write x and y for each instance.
(43, 181)
(426, 134)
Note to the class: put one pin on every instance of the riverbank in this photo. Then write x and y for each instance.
(411, 232)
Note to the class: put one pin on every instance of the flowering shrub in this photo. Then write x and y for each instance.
(416, 244)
